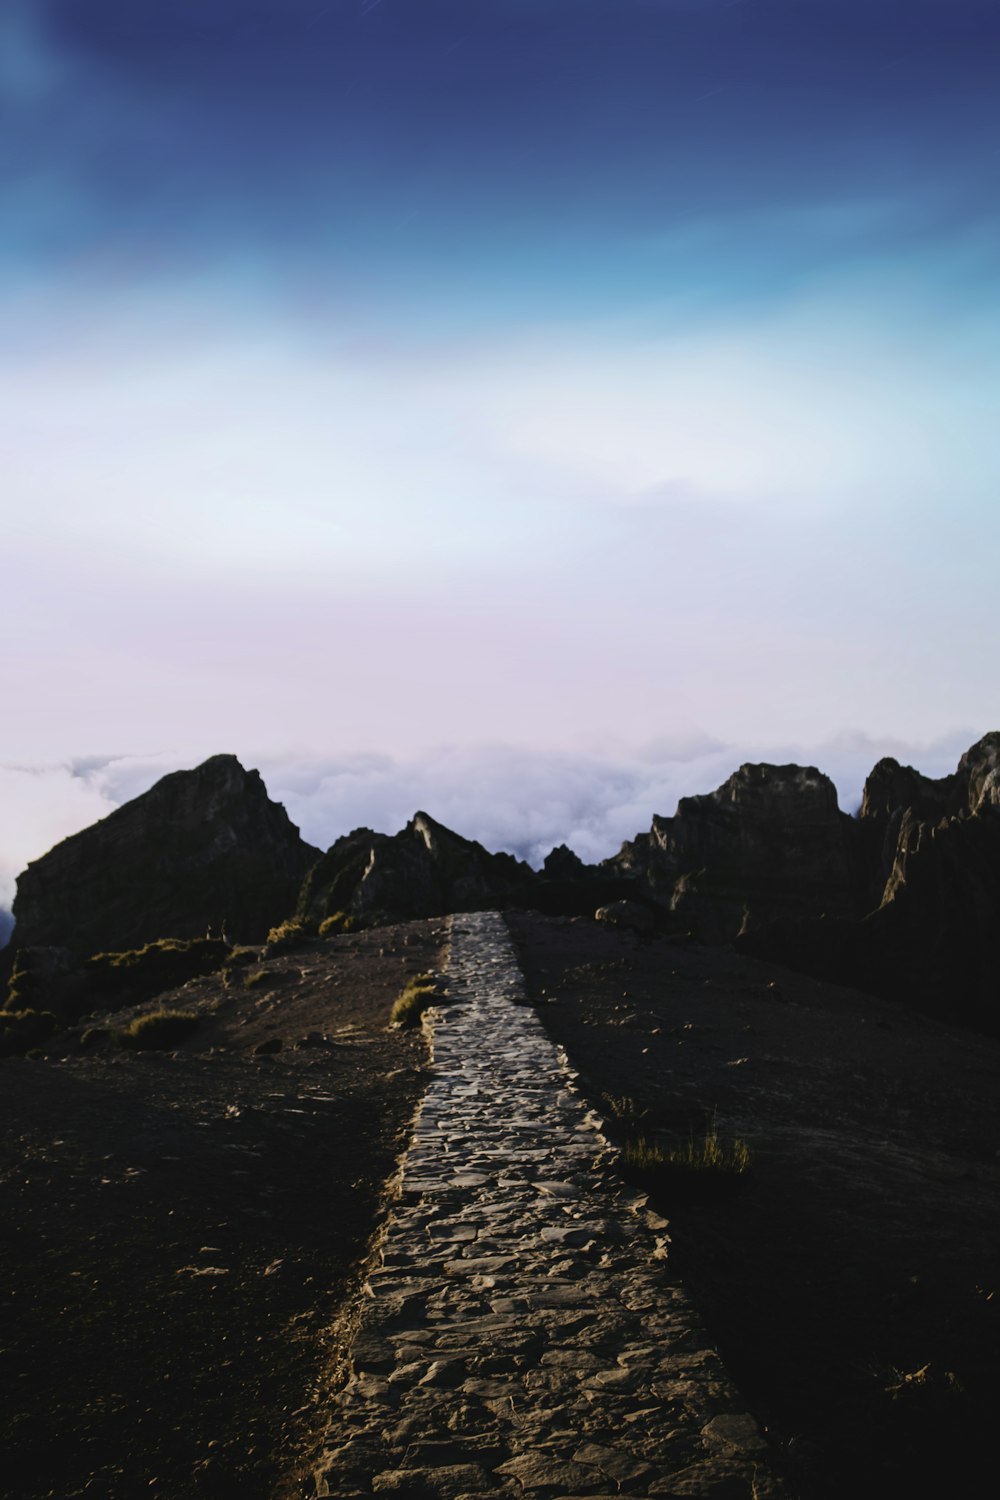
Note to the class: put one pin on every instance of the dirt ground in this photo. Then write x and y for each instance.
(180, 1231)
(852, 1277)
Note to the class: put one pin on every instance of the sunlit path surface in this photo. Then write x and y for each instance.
(523, 1333)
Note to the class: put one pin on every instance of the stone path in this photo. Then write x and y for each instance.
(523, 1335)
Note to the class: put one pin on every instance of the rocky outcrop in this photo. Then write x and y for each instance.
(771, 842)
(201, 850)
(423, 871)
(903, 901)
(931, 937)
(935, 937)
(630, 915)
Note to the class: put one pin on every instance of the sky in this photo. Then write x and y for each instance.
(534, 408)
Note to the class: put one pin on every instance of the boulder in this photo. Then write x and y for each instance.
(628, 914)
(202, 850)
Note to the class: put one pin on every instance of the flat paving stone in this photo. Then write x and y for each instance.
(524, 1335)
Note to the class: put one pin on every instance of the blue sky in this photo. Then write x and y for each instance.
(576, 376)
(473, 163)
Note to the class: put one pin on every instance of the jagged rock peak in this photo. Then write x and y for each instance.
(979, 768)
(770, 841)
(435, 834)
(759, 788)
(424, 870)
(202, 848)
(561, 863)
(893, 789)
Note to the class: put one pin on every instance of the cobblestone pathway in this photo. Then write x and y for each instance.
(523, 1336)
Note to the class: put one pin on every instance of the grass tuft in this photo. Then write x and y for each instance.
(287, 935)
(159, 1030)
(710, 1154)
(340, 921)
(418, 996)
(698, 1168)
(622, 1109)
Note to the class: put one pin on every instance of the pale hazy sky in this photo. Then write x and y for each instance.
(487, 404)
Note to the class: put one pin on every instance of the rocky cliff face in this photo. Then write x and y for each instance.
(424, 871)
(201, 849)
(937, 929)
(931, 937)
(770, 842)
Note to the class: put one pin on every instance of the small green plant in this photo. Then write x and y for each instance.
(419, 994)
(21, 1031)
(255, 976)
(159, 1030)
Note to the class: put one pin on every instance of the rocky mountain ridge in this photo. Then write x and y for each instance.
(903, 899)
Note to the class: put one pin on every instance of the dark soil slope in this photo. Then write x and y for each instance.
(852, 1277)
(180, 1231)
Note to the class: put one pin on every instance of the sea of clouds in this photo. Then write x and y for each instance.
(508, 797)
